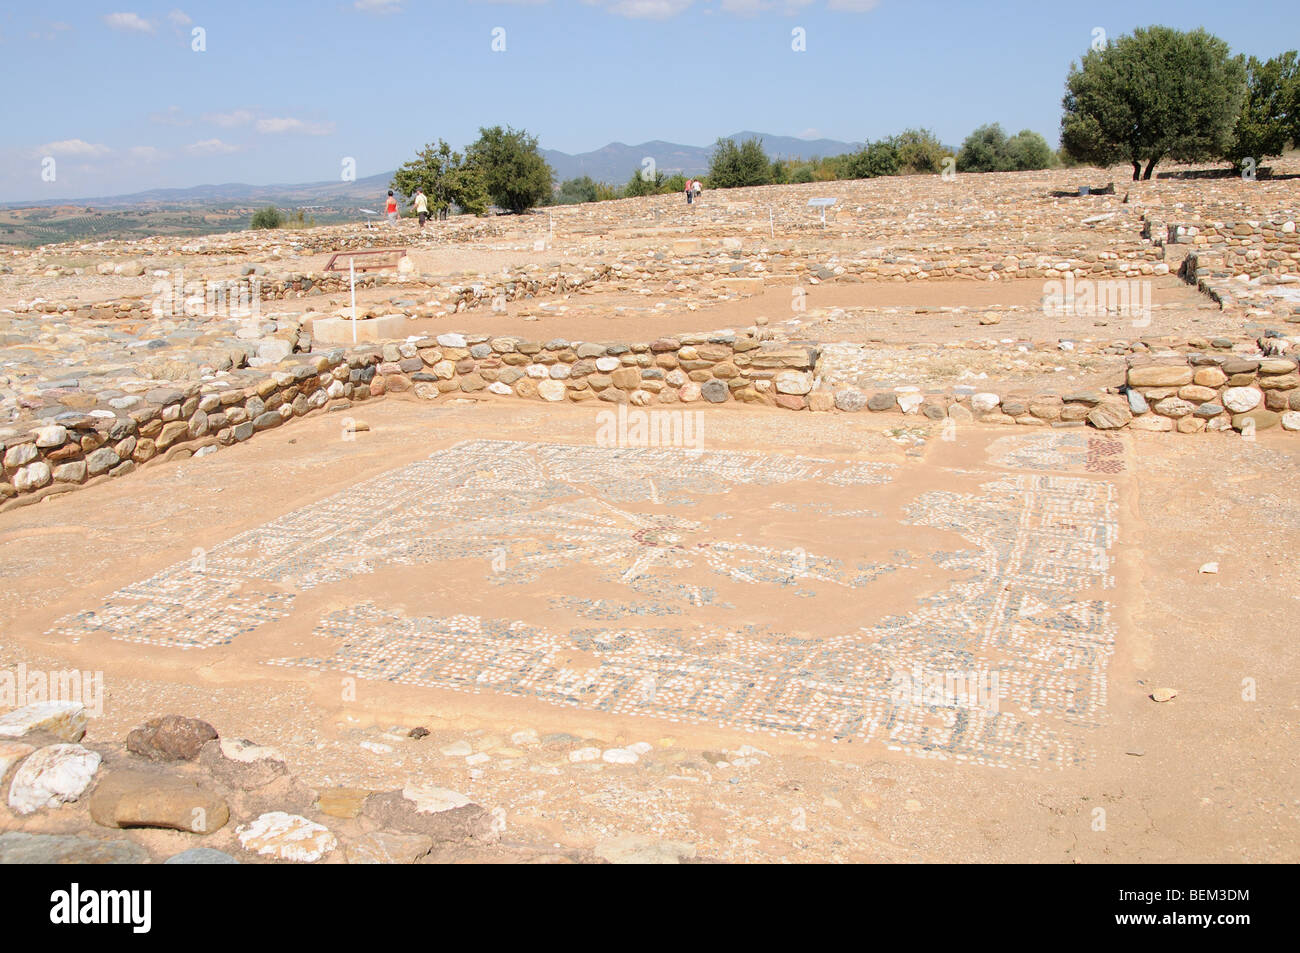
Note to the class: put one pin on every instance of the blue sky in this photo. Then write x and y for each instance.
(284, 91)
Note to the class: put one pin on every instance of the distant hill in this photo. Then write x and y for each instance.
(616, 162)
(208, 208)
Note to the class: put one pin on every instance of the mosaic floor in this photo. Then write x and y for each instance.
(1002, 663)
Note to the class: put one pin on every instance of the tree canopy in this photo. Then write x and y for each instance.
(1270, 112)
(446, 177)
(988, 149)
(514, 173)
(733, 166)
(1157, 94)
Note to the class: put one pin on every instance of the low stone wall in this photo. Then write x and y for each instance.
(1183, 393)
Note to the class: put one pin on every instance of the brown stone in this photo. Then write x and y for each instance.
(170, 738)
(128, 799)
(342, 802)
(1159, 375)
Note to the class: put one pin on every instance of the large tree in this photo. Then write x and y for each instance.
(732, 166)
(1157, 94)
(514, 172)
(1270, 113)
(446, 177)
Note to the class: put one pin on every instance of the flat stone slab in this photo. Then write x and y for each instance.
(21, 848)
(389, 327)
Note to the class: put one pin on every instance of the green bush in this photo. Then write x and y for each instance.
(919, 151)
(268, 217)
(514, 173)
(876, 158)
(734, 166)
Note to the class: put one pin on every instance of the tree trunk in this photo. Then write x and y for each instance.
(1137, 170)
(1151, 166)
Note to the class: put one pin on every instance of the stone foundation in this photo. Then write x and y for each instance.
(1184, 393)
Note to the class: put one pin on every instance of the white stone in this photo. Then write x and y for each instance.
(66, 720)
(496, 387)
(551, 390)
(1291, 420)
(33, 477)
(52, 776)
(607, 364)
(1241, 399)
(984, 402)
(910, 402)
(53, 436)
(246, 752)
(20, 455)
(561, 372)
(429, 799)
(584, 754)
(793, 382)
(620, 756)
(452, 340)
(539, 371)
(287, 837)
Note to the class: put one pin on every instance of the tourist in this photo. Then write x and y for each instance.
(391, 208)
(689, 193)
(421, 206)
(697, 189)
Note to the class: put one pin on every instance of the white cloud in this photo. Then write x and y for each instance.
(179, 18)
(74, 147)
(131, 22)
(210, 147)
(644, 9)
(378, 6)
(275, 126)
(236, 117)
(147, 153)
(853, 6)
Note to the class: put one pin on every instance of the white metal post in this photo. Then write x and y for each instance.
(352, 282)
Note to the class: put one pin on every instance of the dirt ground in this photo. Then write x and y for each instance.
(1209, 776)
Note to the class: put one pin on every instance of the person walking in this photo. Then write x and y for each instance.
(689, 193)
(421, 206)
(391, 208)
(697, 189)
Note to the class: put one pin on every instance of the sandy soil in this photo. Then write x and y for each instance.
(1206, 777)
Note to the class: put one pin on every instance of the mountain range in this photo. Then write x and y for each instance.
(614, 164)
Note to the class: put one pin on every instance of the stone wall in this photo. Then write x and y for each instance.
(1178, 392)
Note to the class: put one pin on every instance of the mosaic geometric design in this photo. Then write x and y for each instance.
(1065, 452)
(434, 511)
(1003, 663)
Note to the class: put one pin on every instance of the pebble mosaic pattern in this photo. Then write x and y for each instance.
(1066, 452)
(1005, 666)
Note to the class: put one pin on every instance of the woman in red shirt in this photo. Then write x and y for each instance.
(392, 207)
